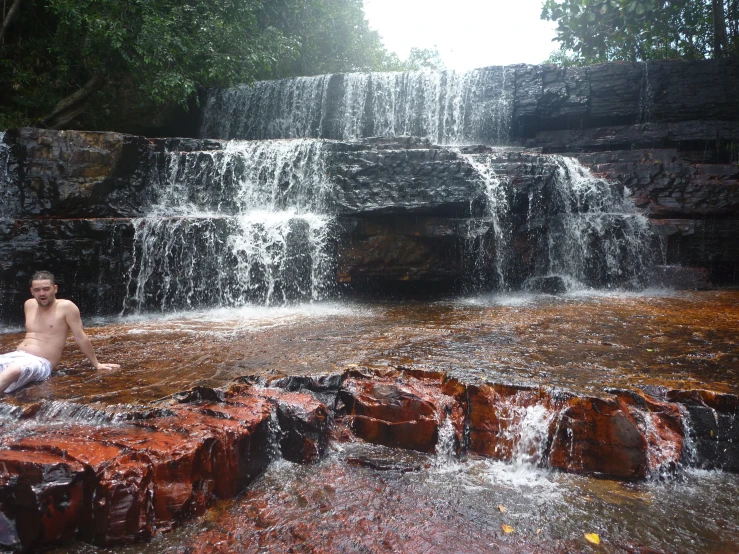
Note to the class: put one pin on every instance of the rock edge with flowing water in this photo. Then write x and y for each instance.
(113, 216)
(122, 474)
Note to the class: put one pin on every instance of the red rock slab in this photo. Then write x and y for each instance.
(122, 510)
(596, 435)
(304, 424)
(236, 439)
(662, 426)
(719, 401)
(421, 435)
(495, 415)
(253, 413)
(393, 413)
(43, 499)
(183, 483)
(73, 443)
(123, 501)
(387, 400)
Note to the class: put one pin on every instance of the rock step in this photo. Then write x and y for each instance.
(139, 471)
(617, 433)
(123, 483)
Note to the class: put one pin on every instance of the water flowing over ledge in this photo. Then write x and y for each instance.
(206, 223)
(446, 107)
(123, 474)
(246, 224)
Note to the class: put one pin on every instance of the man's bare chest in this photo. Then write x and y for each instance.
(46, 324)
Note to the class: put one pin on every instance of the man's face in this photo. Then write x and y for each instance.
(43, 291)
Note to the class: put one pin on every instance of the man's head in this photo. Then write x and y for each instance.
(43, 288)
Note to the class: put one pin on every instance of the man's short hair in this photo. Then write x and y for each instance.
(42, 276)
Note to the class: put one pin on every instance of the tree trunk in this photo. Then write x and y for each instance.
(9, 17)
(74, 104)
(720, 41)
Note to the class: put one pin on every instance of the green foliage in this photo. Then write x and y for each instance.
(157, 52)
(331, 36)
(424, 58)
(593, 31)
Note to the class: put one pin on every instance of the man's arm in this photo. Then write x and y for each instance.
(73, 319)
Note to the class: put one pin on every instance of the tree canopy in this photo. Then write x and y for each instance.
(68, 62)
(592, 31)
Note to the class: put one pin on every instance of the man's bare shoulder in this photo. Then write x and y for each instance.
(66, 304)
(67, 307)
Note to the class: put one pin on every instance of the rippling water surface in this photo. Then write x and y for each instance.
(420, 503)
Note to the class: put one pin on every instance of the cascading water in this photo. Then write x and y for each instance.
(446, 107)
(598, 238)
(5, 188)
(496, 218)
(288, 108)
(246, 224)
(574, 227)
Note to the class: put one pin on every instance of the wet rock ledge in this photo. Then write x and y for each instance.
(122, 474)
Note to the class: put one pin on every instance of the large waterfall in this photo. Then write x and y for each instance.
(447, 107)
(252, 222)
(249, 223)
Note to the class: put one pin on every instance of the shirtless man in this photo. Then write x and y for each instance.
(48, 322)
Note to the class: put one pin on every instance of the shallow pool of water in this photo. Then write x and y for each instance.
(579, 342)
(371, 499)
(420, 504)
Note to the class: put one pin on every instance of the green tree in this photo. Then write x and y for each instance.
(61, 54)
(78, 62)
(424, 58)
(592, 31)
(331, 36)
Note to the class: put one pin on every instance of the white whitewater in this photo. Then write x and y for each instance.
(587, 229)
(599, 236)
(248, 224)
(5, 181)
(447, 107)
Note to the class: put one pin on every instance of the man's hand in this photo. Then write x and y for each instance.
(107, 366)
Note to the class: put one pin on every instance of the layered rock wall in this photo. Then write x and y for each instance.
(666, 131)
(406, 211)
(601, 107)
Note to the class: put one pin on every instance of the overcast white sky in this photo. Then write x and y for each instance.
(468, 33)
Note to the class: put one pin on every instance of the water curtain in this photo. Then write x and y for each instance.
(246, 224)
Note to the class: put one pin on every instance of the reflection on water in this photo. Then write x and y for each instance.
(580, 342)
(372, 499)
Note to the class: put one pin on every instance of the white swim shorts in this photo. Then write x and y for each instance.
(33, 368)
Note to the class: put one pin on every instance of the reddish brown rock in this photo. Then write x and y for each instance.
(403, 413)
(496, 413)
(121, 510)
(663, 429)
(43, 499)
(181, 469)
(304, 425)
(599, 435)
(233, 441)
(123, 501)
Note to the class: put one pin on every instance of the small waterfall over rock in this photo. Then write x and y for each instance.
(6, 197)
(597, 237)
(246, 224)
(446, 107)
(555, 227)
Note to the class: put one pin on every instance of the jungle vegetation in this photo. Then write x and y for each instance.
(594, 31)
(84, 63)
